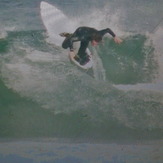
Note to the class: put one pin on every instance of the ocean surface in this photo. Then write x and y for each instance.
(44, 96)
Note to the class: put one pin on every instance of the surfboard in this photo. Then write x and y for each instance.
(56, 22)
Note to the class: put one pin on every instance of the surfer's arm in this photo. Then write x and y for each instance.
(108, 30)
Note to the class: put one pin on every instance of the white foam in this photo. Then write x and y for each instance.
(139, 87)
(38, 56)
(3, 34)
(157, 38)
(36, 75)
(99, 71)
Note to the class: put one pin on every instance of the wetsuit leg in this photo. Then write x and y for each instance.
(82, 50)
(67, 42)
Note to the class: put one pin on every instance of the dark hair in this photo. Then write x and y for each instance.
(97, 37)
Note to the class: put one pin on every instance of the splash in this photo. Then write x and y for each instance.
(98, 69)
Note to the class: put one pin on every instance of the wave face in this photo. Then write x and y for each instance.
(42, 94)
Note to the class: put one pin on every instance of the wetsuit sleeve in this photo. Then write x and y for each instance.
(81, 34)
(107, 30)
(72, 39)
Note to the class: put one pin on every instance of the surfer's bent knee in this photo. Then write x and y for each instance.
(66, 44)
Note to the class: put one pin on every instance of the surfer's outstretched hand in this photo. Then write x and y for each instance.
(117, 40)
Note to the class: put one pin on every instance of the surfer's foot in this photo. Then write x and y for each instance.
(85, 60)
(64, 34)
(77, 58)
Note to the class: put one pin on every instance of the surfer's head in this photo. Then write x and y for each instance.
(95, 39)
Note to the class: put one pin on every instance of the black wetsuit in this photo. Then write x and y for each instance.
(83, 34)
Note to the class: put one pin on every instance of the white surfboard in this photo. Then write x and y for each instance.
(55, 23)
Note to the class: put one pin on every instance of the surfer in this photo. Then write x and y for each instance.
(86, 35)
